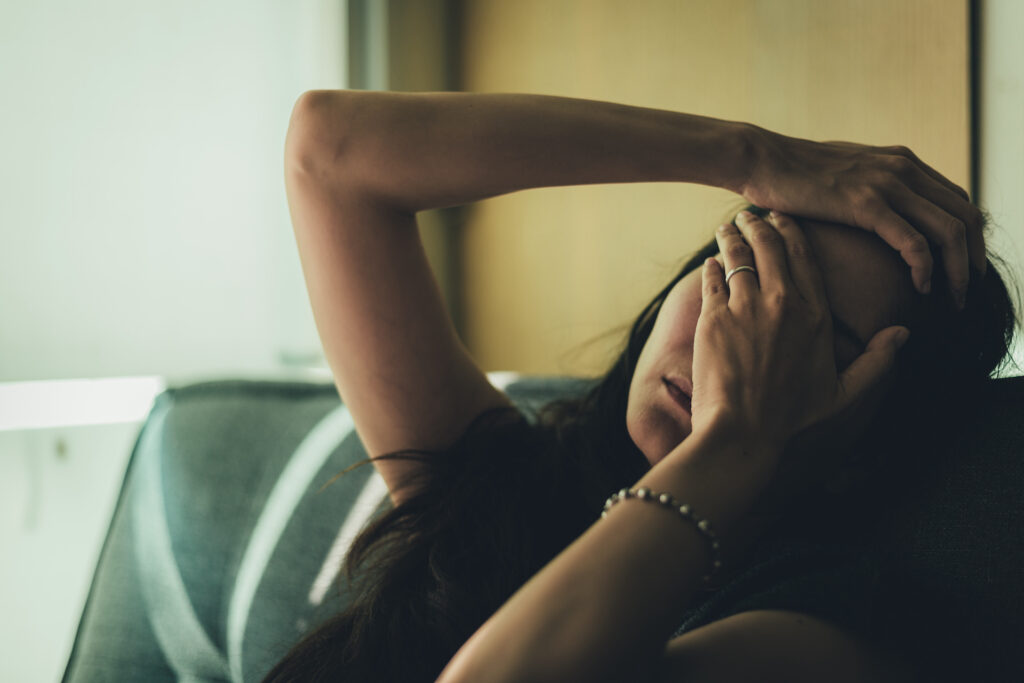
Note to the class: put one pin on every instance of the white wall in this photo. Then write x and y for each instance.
(58, 488)
(145, 226)
(144, 231)
(1001, 189)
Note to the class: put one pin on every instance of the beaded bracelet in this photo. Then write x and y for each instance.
(670, 502)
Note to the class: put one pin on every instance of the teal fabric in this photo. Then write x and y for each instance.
(200, 604)
(223, 530)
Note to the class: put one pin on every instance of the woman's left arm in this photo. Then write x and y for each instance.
(418, 151)
(604, 609)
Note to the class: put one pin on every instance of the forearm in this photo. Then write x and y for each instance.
(421, 151)
(604, 609)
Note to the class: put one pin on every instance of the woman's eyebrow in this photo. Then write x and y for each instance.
(847, 331)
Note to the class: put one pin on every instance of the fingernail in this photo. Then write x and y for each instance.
(901, 337)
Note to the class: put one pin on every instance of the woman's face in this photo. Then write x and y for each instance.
(868, 287)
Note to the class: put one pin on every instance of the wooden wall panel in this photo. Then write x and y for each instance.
(420, 58)
(547, 269)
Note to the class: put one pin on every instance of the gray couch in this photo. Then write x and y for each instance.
(222, 546)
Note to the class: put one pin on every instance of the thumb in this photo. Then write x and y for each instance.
(874, 364)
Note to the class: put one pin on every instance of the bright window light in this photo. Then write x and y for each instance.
(74, 402)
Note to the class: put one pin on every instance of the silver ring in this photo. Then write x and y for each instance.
(737, 269)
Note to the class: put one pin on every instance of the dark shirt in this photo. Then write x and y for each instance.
(832, 581)
(852, 586)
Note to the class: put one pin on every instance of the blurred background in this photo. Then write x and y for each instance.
(146, 239)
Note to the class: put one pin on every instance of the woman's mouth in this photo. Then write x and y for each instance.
(678, 395)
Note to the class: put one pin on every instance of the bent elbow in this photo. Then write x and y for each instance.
(316, 140)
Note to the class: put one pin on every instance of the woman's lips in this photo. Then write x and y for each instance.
(678, 395)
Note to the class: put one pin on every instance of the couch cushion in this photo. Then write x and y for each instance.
(222, 546)
(221, 533)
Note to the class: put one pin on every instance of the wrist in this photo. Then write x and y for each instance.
(709, 151)
(722, 470)
(740, 143)
(726, 441)
(730, 422)
(722, 475)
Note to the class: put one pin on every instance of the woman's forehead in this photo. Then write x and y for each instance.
(867, 283)
(866, 280)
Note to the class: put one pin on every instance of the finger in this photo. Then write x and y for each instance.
(769, 252)
(735, 252)
(954, 200)
(906, 152)
(862, 393)
(957, 207)
(713, 292)
(931, 172)
(869, 368)
(803, 266)
(903, 151)
(880, 219)
(949, 233)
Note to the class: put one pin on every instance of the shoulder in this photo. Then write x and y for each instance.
(779, 645)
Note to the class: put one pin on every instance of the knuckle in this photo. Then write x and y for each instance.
(765, 236)
(868, 197)
(901, 166)
(738, 250)
(799, 250)
(902, 150)
(714, 319)
(779, 300)
(957, 231)
(726, 229)
(915, 243)
(867, 206)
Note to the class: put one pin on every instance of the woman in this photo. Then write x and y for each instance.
(495, 563)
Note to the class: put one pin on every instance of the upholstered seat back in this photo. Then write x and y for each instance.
(222, 547)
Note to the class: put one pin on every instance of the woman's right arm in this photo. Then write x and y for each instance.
(419, 151)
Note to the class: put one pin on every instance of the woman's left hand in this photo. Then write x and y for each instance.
(764, 364)
(884, 190)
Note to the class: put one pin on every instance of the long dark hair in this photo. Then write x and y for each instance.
(521, 484)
